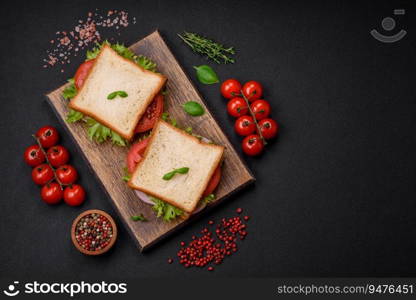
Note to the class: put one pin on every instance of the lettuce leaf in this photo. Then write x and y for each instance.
(125, 52)
(74, 116)
(70, 91)
(165, 210)
(101, 133)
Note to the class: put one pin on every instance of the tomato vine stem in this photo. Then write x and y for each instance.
(49, 163)
(254, 118)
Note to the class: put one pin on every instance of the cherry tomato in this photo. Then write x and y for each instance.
(261, 109)
(135, 154)
(252, 90)
(252, 145)
(34, 156)
(237, 107)
(58, 156)
(74, 195)
(245, 125)
(213, 182)
(42, 174)
(269, 128)
(151, 115)
(51, 193)
(230, 88)
(67, 174)
(48, 136)
(82, 73)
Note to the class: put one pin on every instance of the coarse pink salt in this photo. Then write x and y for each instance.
(85, 33)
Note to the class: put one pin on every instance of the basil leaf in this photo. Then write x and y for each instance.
(169, 176)
(114, 94)
(206, 74)
(193, 108)
(139, 218)
(183, 170)
(122, 94)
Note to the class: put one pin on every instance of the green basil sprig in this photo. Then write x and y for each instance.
(193, 108)
(206, 74)
(112, 95)
(169, 176)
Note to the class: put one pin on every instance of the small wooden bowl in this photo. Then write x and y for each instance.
(113, 238)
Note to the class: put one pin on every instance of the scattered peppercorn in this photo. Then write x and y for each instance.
(239, 210)
(213, 247)
(170, 260)
(246, 218)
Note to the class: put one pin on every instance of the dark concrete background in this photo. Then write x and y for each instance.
(335, 194)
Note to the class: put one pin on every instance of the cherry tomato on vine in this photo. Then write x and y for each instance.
(261, 109)
(51, 193)
(237, 107)
(269, 128)
(252, 90)
(48, 136)
(74, 195)
(58, 155)
(230, 88)
(42, 174)
(252, 145)
(67, 174)
(82, 73)
(245, 125)
(34, 156)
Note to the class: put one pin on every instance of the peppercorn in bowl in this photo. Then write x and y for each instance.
(93, 232)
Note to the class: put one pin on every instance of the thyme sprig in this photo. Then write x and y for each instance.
(206, 47)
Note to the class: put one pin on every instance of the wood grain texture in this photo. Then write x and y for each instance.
(107, 161)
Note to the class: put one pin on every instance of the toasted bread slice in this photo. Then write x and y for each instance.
(111, 73)
(170, 148)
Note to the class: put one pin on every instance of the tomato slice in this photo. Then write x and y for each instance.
(213, 182)
(82, 72)
(151, 115)
(135, 154)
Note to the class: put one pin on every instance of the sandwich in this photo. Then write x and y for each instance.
(112, 92)
(177, 168)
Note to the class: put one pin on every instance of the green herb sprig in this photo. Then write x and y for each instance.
(208, 48)
(169, 176)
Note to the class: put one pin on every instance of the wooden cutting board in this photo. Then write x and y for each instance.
(107, 161)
